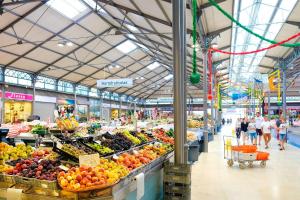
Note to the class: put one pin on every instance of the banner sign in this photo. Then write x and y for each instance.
(66, 101)
(125, 82)
(18, 96)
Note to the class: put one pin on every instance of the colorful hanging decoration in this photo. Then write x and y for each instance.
(258, 50)
(214, 3)
(275, 87)
(219, 97)
(209, 59)
(195, 76)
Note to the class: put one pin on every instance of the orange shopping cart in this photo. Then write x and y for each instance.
(244, 155)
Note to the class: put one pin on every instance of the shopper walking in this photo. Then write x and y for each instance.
(258, 122)
(278, 123)
(252, 131)
(238, 128)
(266, 129)
(223, 121)
(244, 130)
(283, 134)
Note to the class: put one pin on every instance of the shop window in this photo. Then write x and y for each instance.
(83, 90)
(106, 95)
(93, 92)
(115, 96)
(65, 86)
(95, 108)
(17, 77)
(46, 83)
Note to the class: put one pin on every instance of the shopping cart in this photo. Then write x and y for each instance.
(245, 155)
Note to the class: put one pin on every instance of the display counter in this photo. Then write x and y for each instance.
(127, 188)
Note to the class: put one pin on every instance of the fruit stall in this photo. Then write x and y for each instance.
(119, 164)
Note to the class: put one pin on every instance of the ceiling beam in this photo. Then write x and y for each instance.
(136, 12)
(265, 67)
(293, 23)
(21, 17)
(16, 2)
(50, 38)
(203, 6)
(218, 32)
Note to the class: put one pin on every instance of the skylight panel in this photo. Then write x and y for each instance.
(126, 46)
(132, 28)
(68, 8)
(152, 66)
(170, 76)
(142, 46)
(131, 36)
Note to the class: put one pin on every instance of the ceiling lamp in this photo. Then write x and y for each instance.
(69, 44)
(61, 44)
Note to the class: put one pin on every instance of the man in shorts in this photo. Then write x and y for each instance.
(258, 124)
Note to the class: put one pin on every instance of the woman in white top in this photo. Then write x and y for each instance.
(266, 129)
(282, 134)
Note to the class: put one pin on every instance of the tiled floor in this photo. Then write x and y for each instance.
(212, 179)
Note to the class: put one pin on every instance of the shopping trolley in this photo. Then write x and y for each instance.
(245, 155)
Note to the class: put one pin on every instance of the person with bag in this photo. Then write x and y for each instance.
(266, 130)
(244, 130)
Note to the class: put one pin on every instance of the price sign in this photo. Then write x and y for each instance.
(63, 167)
(91, 160)
(14, 194)
(115, 157)
(59, 145)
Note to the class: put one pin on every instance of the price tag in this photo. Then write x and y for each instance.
(135, 152)
(63, 167)
(115, 157)
(59, 145)
(91, 160)
(14, 194)
(98, 142)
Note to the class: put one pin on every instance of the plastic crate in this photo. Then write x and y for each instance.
(179, 189)
(178, 178)
(179, 168)
(177, 197)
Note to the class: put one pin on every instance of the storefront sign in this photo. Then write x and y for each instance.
(66, 101)
(18, 96)
(125, 82)
(45, 99)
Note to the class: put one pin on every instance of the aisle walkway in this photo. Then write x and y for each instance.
(212, 179)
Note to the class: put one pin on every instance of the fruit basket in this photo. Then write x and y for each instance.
(36, 182)
(102, 150)
(65, 154)
(7, 178)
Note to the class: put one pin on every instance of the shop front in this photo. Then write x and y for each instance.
(17, 107)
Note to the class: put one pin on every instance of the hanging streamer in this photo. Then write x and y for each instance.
(247, 29)
(279, 103)
(195, 76)
(209, 95)
(275, 75)
(258, 50)
(219, 97)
